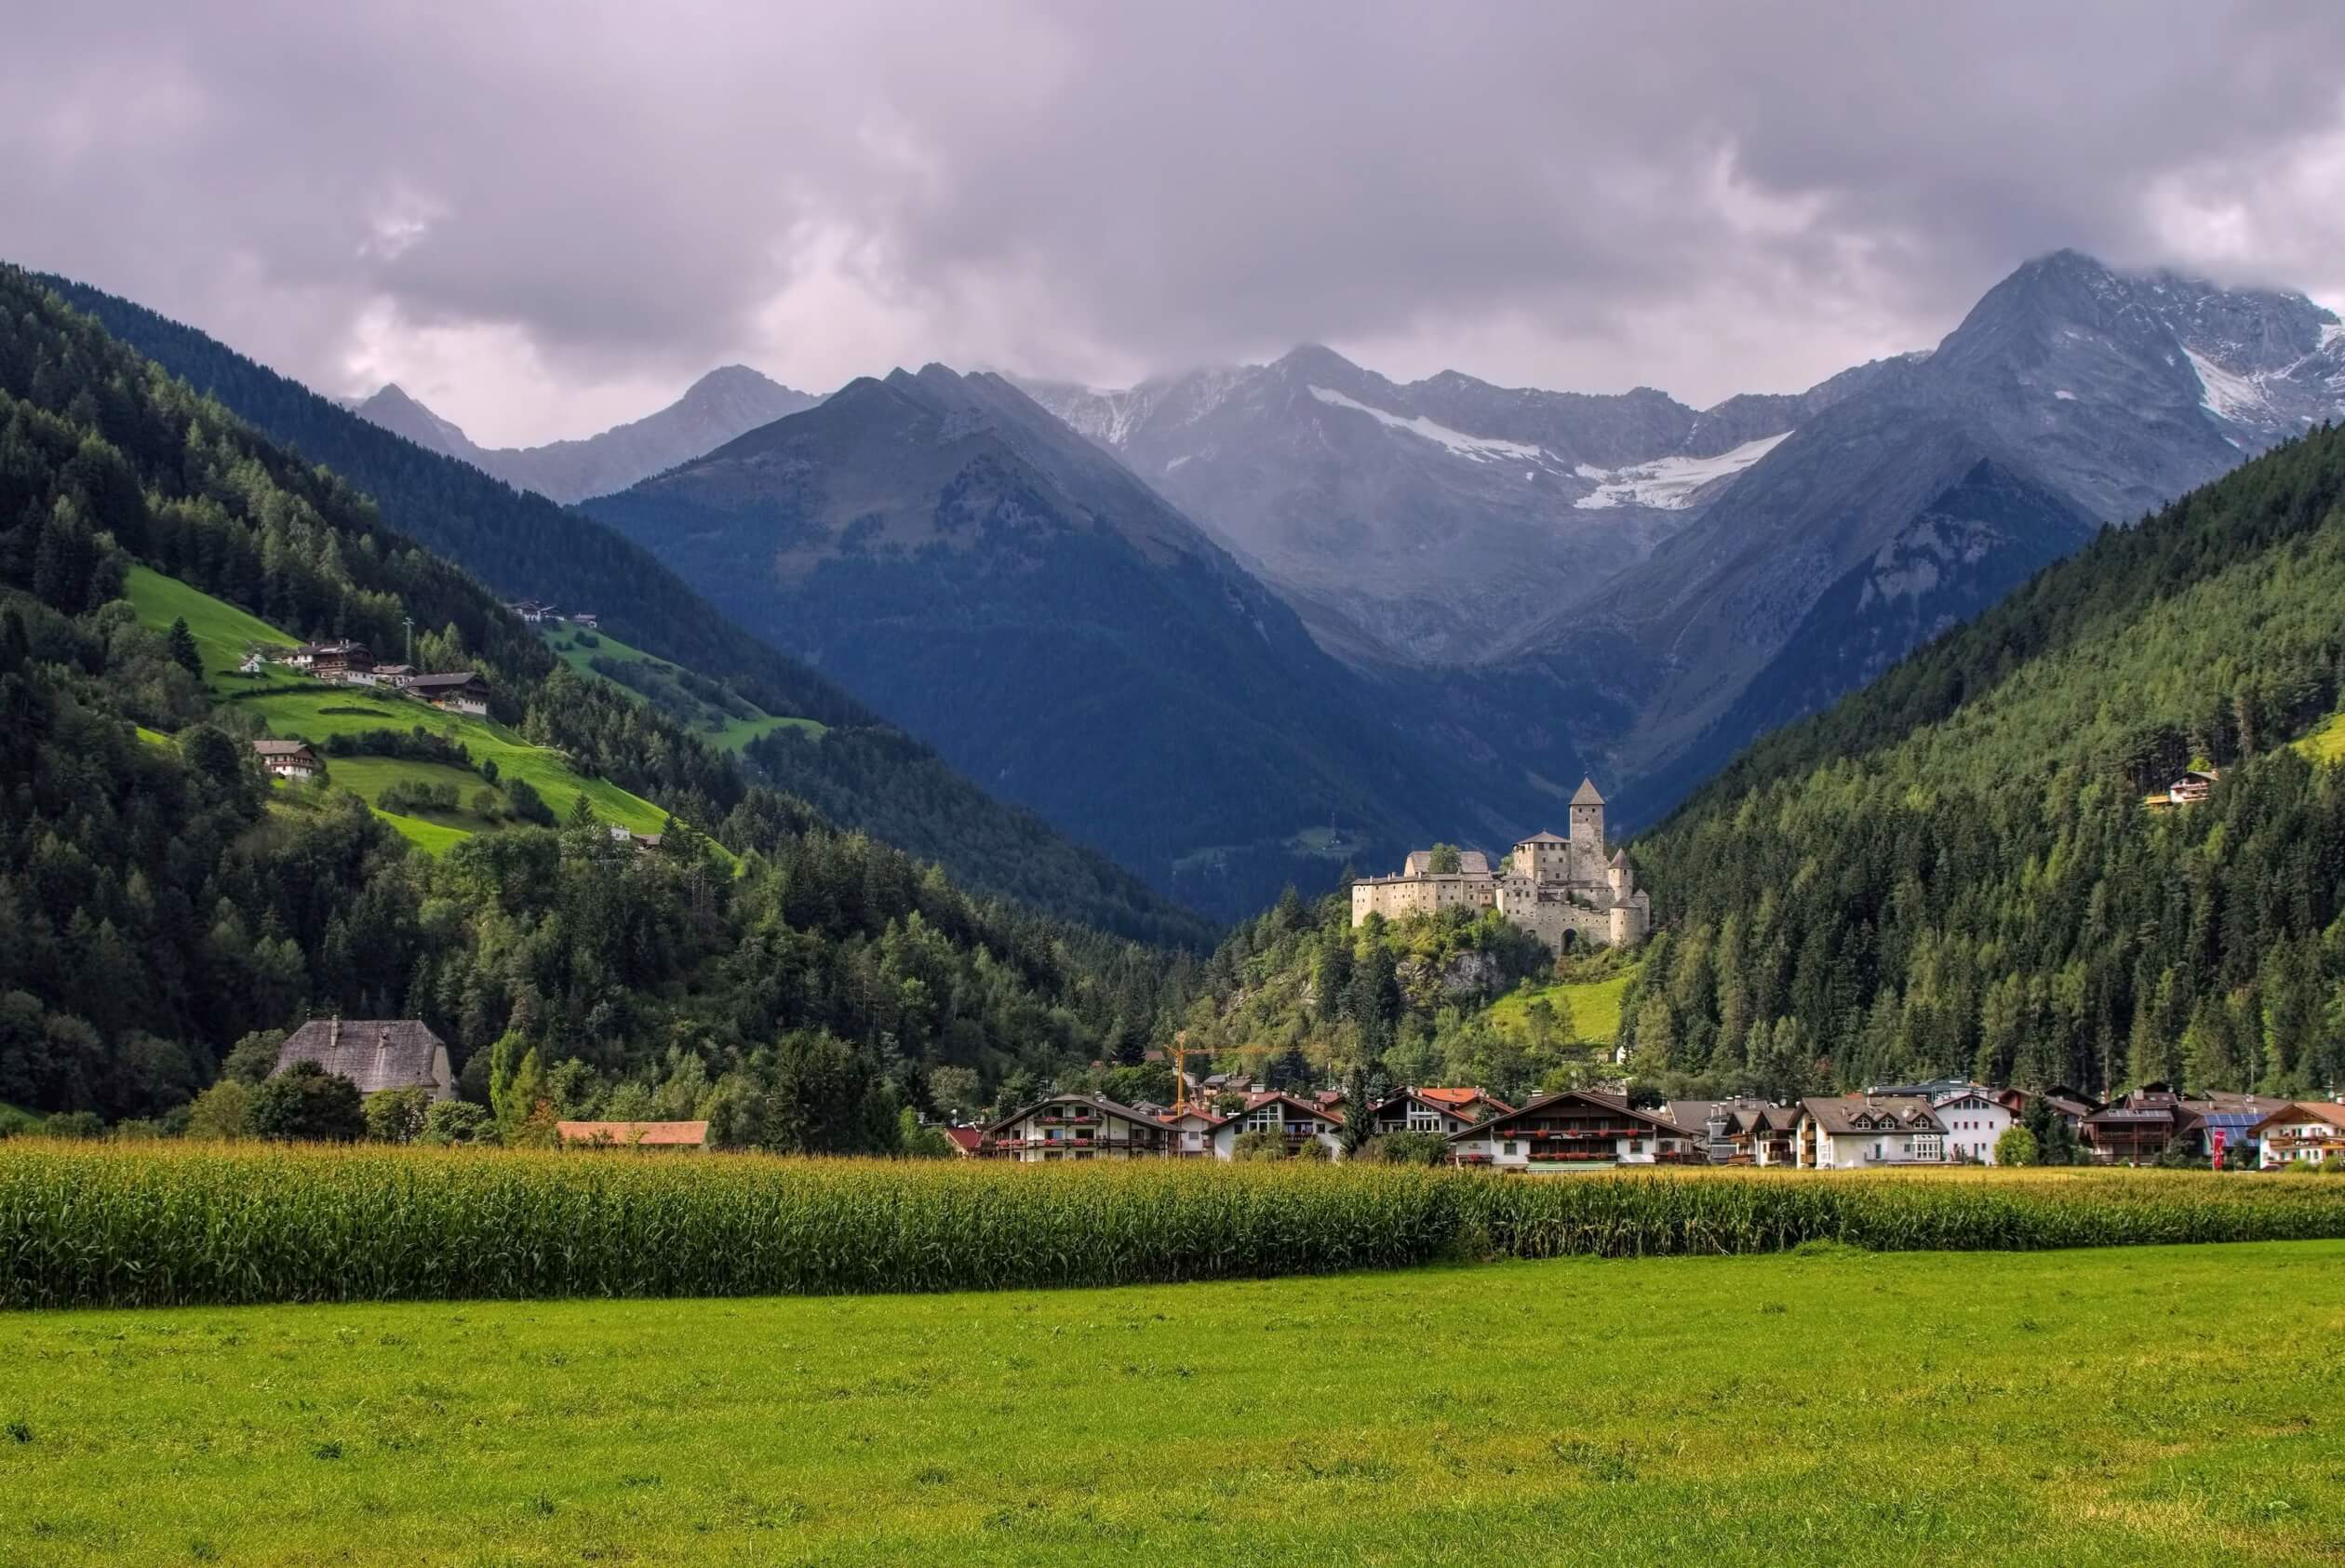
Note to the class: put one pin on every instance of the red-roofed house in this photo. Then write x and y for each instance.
(1436, 1110)
(965, 1140)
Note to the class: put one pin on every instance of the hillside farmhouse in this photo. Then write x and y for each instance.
(461, 691)
(1565, 892)
(286, 759)
(374, 1053)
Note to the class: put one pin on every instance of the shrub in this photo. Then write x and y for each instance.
(2017, 1146)
(456, 1121)
(1406, 1148)
(223, 1111)
(1261, 1143)
(395, 1115)
(307, 1102)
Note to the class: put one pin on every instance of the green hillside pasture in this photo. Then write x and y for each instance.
(1594, 1006)
(716, 725)
(222, 632)
(2155, 1405)
(316, 713)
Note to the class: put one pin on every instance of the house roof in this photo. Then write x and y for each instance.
(635, 1134)
(452, 681)
(966, 1139)
(2297, 1111)
(1855, 1113)
(281, 748)
(1255, 1102)
(1090, 1101)
(374, 1053)
(1587, 794)
(1496, 1127)
(1742, 1114)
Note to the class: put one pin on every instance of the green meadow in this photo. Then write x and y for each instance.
(295, 706)
(2132, 1405)
(731, 731)
(1592, 1006)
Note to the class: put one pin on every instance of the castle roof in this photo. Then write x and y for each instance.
(1586, 795)
(1620, 859)
(1545, 838)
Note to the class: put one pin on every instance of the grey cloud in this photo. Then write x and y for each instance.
(1078, 189)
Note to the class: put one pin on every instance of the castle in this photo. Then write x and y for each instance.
(1562, 891)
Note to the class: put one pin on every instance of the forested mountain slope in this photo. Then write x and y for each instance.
(1955, 869)
(161, 901)
(524, 545)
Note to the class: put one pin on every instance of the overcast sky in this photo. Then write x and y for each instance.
(545, 217)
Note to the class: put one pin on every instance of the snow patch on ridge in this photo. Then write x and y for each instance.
(1481, 449)
(1669, 483)
(2226, 395)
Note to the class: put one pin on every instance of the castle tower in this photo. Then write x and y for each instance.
(1622, 880)
(1588, 832)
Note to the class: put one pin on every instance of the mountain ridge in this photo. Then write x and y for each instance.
(711, 411)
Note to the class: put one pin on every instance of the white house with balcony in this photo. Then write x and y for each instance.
(1077, 1127)
(1867, 1132)
(1296, 1122)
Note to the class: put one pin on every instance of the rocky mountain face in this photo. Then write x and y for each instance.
(1016, 597)
(2071, 395)
(713, 410)
(1436, 522)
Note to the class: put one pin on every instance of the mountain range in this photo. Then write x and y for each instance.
(1627, 579)
(713, 410)
(959, 558)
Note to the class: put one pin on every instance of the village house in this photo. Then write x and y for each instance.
(286, 759)
(1077, 1127)
(2301, 1133)
(461, 691)
(374, 1053)
(1435, 1110)
(393, 675)
(1192, 1131)
(2192, 787)
(2154, 1118)
(1296, 1122)
(1573, 1130)
(340, 660)
(1975, 1119)
(1736, 1132)
(633, 1134)
(966, 1141)
(1565, 892)
(1854, 1132)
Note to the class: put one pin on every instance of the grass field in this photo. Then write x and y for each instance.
(1594, 1006)
(295, 705)
(2325, 743)
(2167, 1405)
(718, 726)
(222, 632)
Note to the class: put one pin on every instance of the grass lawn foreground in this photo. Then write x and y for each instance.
(2128, 1405)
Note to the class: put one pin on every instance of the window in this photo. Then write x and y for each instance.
(1510, 1148)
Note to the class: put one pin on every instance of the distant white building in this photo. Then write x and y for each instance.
(1294, 1121)
(1973, 1119)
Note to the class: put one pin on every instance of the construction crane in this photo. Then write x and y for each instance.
(1180, 1071)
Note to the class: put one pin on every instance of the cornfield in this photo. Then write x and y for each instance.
(160, 1224)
